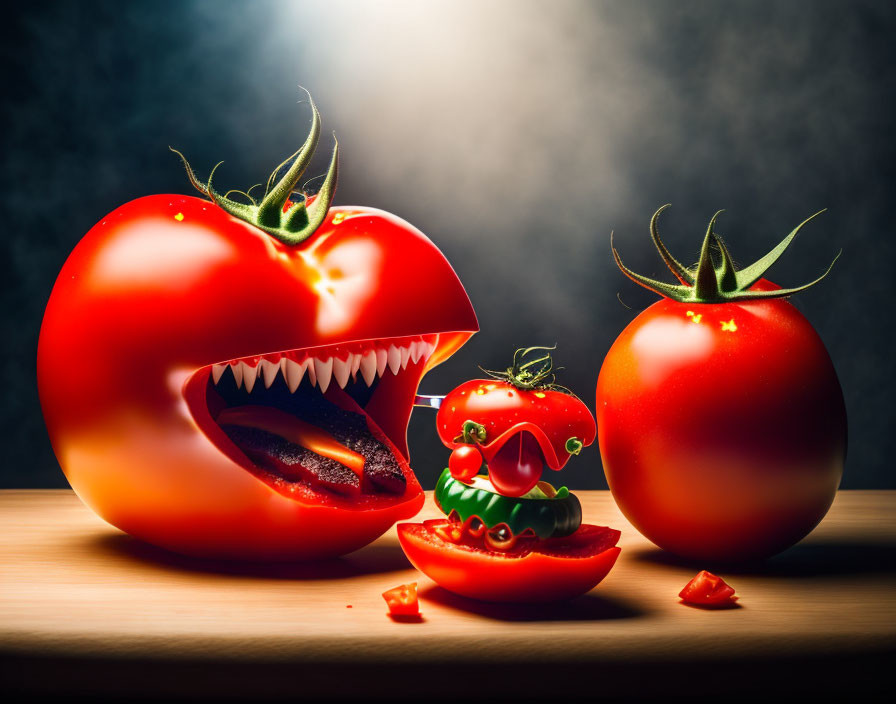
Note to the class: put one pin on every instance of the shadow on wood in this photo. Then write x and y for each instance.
(372, 559)
(811, 559)
(584, 608)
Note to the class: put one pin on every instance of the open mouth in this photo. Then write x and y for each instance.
(324, 423)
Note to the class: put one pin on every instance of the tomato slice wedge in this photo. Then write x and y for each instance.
(537, 571)
(706, 589)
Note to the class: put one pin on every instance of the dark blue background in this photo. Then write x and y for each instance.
(515, 134)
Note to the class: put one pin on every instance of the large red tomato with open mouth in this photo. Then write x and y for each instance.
(230, 380)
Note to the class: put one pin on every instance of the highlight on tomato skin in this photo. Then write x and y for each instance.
(175, 314)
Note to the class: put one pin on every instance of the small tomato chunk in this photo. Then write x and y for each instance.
(402, 601)
(706, 589)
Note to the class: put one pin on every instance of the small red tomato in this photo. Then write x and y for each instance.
(520, 420)
(706, 589)
(402, 600)
(172, 310)
(722, 427)
(464, 462)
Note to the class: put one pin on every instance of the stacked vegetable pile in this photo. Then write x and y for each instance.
(507, 535)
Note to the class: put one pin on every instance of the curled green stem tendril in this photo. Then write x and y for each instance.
(574, 446)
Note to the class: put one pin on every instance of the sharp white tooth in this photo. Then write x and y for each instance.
(269, 371)
(394, 359)
(237, 370)
(356, 365)
(342, 369)
(416, 351)
(250, 374)
(217, 371)
(324, 372)
(405, 356)
(312, 374)
(292, 372)
(368, 366)
(382, 356)
(428, 349)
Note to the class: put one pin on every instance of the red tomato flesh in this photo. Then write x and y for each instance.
(706, 589)
(534, 571)
(402, 600)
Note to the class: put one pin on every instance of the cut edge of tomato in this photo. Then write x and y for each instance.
(401, 364)
(603, 537)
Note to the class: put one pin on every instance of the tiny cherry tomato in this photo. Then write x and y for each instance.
(464, 462)
(706, 589)
(402, 600)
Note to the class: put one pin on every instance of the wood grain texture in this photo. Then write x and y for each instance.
(106, 614)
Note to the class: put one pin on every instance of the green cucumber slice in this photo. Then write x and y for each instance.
(554, 517)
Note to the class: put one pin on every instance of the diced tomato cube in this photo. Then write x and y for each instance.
(707, 589)
(402, 601)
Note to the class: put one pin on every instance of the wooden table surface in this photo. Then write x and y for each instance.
(86, 609)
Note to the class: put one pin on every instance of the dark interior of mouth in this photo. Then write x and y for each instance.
(290, 466)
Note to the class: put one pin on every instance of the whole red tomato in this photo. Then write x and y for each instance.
(721, 423)
(520, 421)
(173, 309)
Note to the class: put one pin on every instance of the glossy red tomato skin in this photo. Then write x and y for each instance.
(552, 417)
(487, 576)
(167, 284)
(464, 462)
(722, 436)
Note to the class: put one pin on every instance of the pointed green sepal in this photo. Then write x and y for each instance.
(660, 287)
(706, 285)
(748, 276)
(680, 270)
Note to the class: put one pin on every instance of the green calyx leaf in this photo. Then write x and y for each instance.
(290, 225)
(472, 433)
(715, 279)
